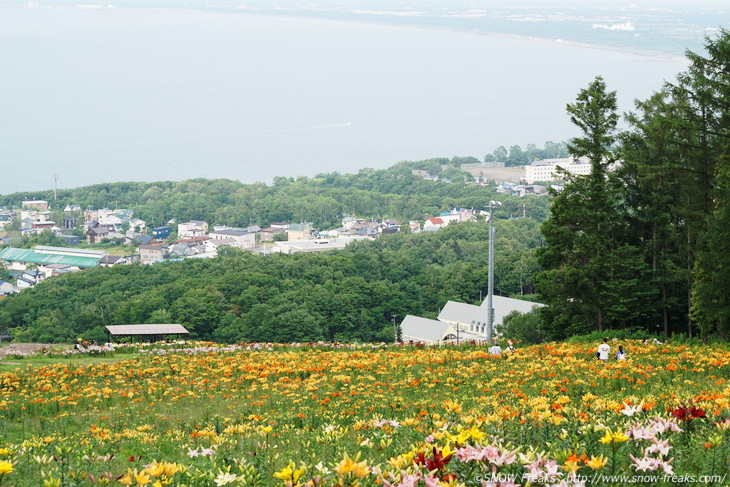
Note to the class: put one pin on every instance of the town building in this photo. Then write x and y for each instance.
(267, 234)
(461, 321)
(315, 245)
(549, 169)
(153, 253)
(39, 205)
(242, 239)
(299, 231)
(20, 259)
(192, 229)
(161, 233)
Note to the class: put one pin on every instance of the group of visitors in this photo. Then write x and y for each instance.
(497, 350)
(83, 345)
(604, 351)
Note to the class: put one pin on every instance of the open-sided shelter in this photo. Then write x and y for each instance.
(146, 332)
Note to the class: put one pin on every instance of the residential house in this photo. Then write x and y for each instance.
(267, 234)
(388, 226)
(35, 215)
(44, 225)
(299, 231)
(348, 222)
(181, 250)
(198, 243)
(112, 260)
(95, 232)
(192, 229)
(161, 233)
(51, 270)
(29, 279)
(535, 189)
(433, 223)
(414, 226)
(70, 240)
(6, 216)
(6, 288)
(212, 245)
(153, 253)
(71, 208)
(243, 239)
(367, 230)
(142, 239)
(137, 225)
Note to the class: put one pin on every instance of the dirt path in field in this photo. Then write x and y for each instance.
(22, 348)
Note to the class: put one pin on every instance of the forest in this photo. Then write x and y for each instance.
(347, 295)
(322, 200)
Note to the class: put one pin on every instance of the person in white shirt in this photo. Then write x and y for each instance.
(620, 355)
(603, 350)
(495, 350)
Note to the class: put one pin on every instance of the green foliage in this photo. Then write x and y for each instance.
(524, 327)
(518, 157)
(341, 295)
(625, 334)
(646, 247)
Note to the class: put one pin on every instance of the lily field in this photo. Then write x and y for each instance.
(201, 414)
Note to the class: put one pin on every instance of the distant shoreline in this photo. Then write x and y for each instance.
(392, 21)
(357, 18)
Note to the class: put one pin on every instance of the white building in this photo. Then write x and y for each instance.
(192, 229)
(461, 321)
(547, 169)
(242, 239)
(317, 245)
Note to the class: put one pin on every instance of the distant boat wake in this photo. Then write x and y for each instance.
(295, 129)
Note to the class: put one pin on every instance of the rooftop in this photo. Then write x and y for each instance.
(131, 330)
(33, 257)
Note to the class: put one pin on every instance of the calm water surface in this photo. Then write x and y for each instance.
(114, 95)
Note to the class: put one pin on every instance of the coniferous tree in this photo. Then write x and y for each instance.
(594, 276)
(711, 306)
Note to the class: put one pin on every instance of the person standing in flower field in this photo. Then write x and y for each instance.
(495, 349)
(510, 346)
(603, 350)
(620, 355)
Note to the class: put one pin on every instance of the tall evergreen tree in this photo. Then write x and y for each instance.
(651, 175)
(593, 277)
(711, 306)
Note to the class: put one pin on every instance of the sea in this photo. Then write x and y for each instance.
(102, 94)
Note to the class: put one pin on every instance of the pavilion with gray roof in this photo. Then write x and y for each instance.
(150, 332)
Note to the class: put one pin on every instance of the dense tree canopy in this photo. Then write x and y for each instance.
(645, 247)
(341, 295)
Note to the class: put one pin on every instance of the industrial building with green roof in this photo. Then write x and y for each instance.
(45, 257)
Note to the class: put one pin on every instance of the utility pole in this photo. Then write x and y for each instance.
(395, 330)
(490, 283)
(55, 186)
